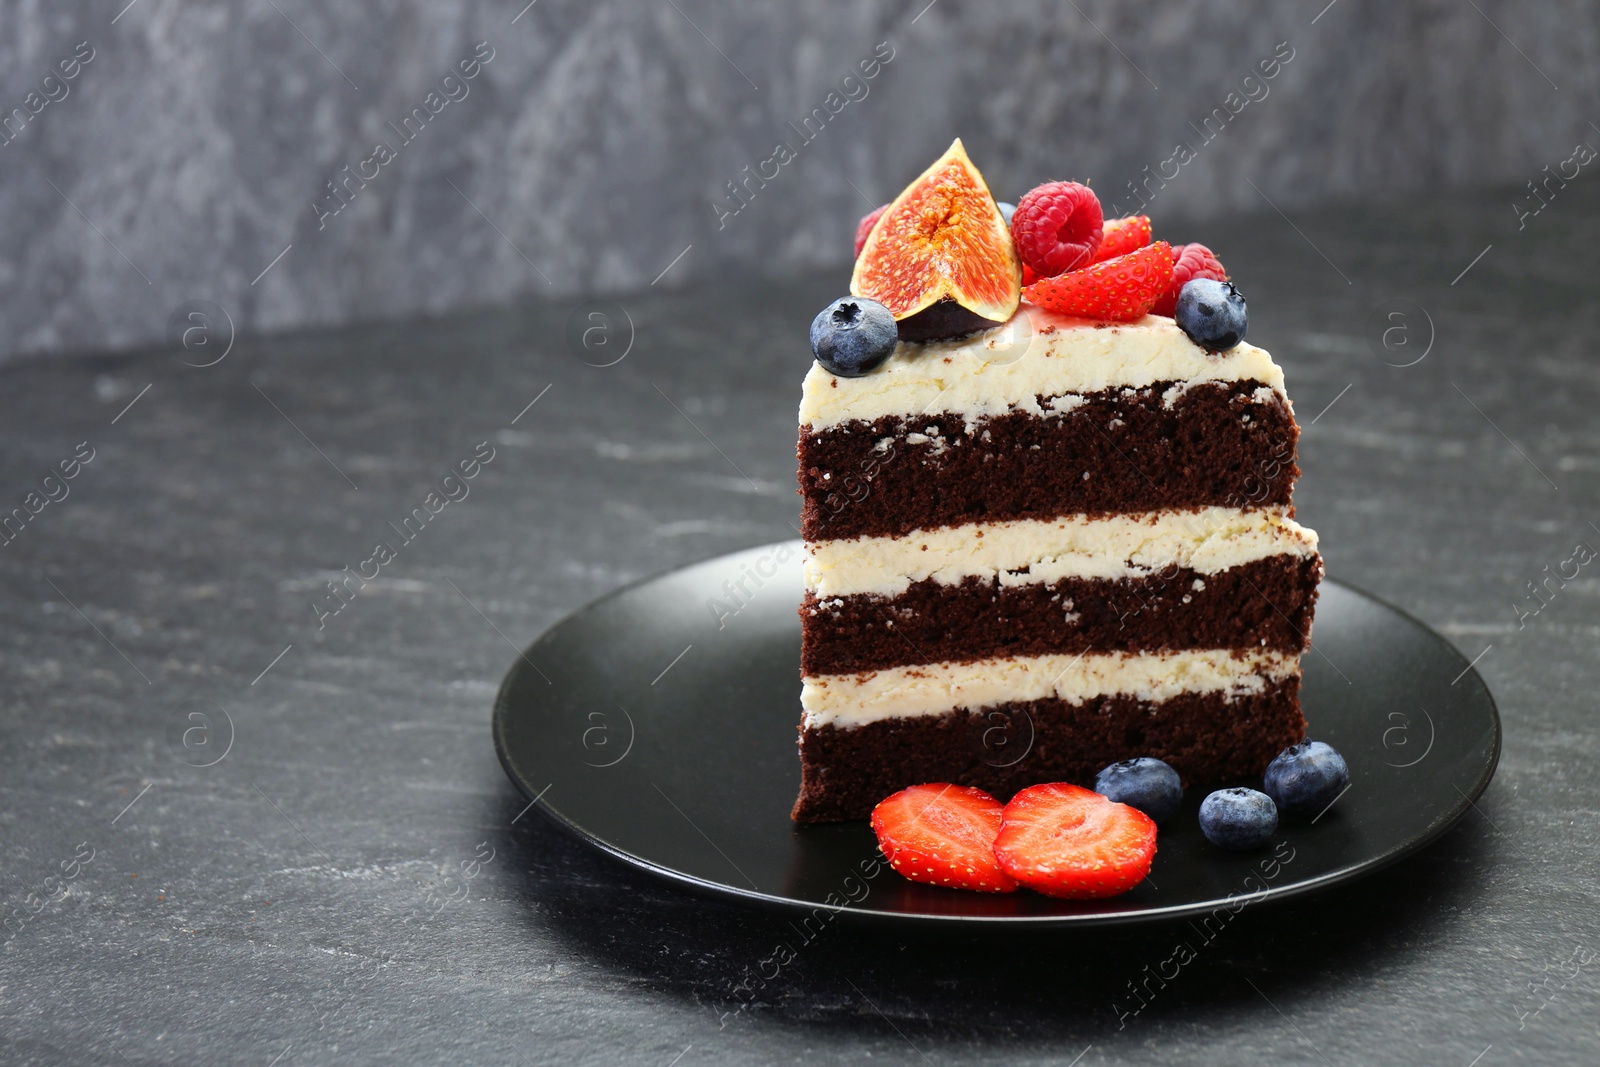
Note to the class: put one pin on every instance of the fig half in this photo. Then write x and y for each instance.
(941, 257)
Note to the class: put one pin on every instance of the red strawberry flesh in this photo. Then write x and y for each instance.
(1066, 841)
(1115, 290)
(1121, 236)
(943, 835)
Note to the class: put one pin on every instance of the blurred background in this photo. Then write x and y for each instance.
(155, 153)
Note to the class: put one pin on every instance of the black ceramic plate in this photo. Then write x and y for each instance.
(659, 725)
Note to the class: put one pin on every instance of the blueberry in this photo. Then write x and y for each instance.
(853, 335)
(1144, 783)
(1305, 778)
(1005, 210)
(1212, 313)
(1238, 818)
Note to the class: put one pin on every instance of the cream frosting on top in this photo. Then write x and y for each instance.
(1037, 354)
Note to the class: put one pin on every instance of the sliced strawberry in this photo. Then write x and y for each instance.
(1121, 236)
(1189, 262)
(1117, 290)
(943, 835)
(1029, 276)
(1066, 841)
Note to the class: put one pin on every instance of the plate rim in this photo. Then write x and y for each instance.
(771, 901)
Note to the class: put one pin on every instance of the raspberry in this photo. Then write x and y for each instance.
(1121, 236)
(864, 227)
(1057, 227)
(1115, 290)
(1190, 262)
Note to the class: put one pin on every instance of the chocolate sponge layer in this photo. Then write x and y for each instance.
(1266, 605)
(1207, 737)
(1120, 450)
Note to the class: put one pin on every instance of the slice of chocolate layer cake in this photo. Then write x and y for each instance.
(1028, 560)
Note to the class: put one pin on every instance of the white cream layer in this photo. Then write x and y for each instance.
(1132, 545)
(1037, 354)
(932, 689)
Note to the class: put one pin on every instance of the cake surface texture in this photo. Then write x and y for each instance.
(1041, 548)
(1087, 552)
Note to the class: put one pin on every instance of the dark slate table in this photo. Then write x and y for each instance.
(352, 879)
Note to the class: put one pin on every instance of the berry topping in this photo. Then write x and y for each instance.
(943, 835)
(1121, 236)
(1116, 290)
(1305, 778)
(1238, 818)
(1065, 841)
(1057, 227)
(1144, 783)
(853, 335)
(1212, 313)
(1189, 262)
(864, 227)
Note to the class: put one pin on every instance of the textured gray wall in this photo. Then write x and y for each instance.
(591, 151)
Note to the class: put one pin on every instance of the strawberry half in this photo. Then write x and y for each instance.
(1121, 236)
(1066, 841)
(1116, 290)
(943, 835)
